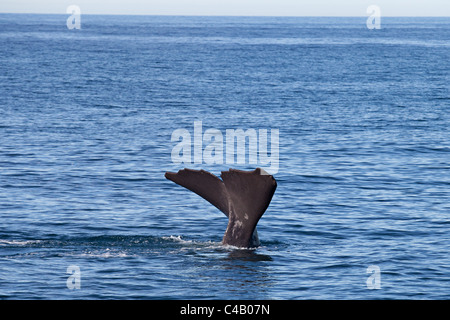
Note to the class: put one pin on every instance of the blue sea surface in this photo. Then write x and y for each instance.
(86, 119)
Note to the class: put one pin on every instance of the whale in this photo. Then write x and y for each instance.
(243, 196)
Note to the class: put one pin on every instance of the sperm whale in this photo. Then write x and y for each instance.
(243, 196)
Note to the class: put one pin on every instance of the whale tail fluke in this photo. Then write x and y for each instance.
(243, 196)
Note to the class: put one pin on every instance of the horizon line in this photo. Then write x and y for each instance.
(226, 15)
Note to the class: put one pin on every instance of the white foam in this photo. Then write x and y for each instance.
(177, 239)
(193, 244)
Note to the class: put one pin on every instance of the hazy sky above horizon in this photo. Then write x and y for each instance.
(233, 7)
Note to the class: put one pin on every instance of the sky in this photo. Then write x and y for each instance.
(233, 7)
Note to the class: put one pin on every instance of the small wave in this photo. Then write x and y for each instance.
(119, 246)
(111, 242)
(18, 243)
(107, 253)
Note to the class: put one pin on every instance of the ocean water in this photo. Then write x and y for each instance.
(86, 118)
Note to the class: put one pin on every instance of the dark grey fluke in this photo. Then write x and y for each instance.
(242, 195)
